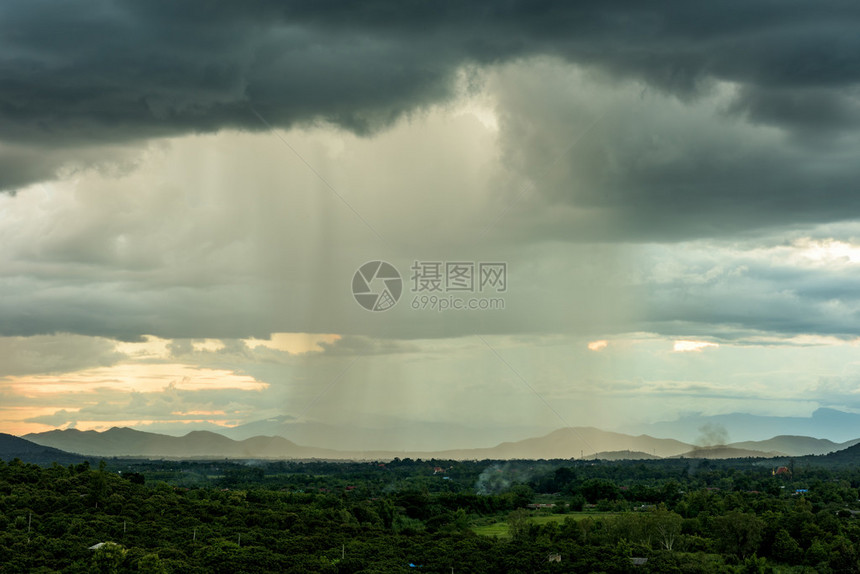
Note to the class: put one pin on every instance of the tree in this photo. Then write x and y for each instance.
(523, 494)
(786, 548)
(108, 557)
(816, 553)
(843, 555)
(151, 564)
(738, 533)
(665, 527)
(595, 489)
(577, 502)
(518, 523)
(755, 565)
(98, 486)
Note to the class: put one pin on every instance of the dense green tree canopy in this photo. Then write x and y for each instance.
(548, 516)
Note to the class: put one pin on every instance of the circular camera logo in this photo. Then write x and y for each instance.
(377, 286)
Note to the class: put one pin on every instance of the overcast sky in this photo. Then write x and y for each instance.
(189, 188)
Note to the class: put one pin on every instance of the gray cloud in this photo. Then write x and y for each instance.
(363, 346)
(737, 293)
(706, 121)
(125, 71)
(614, 162)
(55, 354)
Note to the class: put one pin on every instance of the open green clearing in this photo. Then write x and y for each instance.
(500, 528)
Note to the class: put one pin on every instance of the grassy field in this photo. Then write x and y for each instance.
(500, 528)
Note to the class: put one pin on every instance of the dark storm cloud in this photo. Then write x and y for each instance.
(75, 74)
(652, 168)
(709, 120)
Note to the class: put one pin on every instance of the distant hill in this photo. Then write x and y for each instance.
(846, 457)
(795, 445)
(196, 444)
(12, 447)
(580, 442)
(409, 438)
(572, 443)
(838, 426)
(563, 443)
(386, 434)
